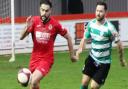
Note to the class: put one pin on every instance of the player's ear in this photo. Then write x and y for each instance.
(50, 10)
(106, 13)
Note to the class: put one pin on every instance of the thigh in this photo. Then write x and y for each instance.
(85, 79)
(42, 66)
(89, 67)
(36, 76)
(101, 74)
(94, 85)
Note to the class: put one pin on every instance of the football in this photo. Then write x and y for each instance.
(24, 76)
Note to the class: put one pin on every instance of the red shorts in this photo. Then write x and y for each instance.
(43, 66)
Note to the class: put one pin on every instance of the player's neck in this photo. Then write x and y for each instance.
(100, 22)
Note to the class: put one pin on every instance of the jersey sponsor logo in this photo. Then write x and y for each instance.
(42, 37)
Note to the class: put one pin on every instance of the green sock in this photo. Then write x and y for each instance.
(83, 87)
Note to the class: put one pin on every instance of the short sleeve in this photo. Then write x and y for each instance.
(60, 29)
(87, 32)
(114, 34)
(30, 28)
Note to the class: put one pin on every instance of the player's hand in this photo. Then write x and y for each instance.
(78, 53)
(74, 58)
(123, 63)
(29, 21)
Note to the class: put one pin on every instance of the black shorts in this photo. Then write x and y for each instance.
(97, 72)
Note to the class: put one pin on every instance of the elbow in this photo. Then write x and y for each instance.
(24, 35)
(67, 36)
(21, 38)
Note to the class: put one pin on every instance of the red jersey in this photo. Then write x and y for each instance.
(43, 36)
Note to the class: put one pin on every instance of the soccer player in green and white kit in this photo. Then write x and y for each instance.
(102, 33)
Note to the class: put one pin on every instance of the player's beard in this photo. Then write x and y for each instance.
(44, 19)
(100, 18)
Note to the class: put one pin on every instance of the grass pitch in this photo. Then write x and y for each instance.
(64, 74)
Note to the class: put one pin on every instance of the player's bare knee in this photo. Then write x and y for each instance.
(85, 83)
(85, 80)
(94, 85)
(34, 83)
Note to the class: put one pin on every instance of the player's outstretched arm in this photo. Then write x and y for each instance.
(121, 54)
(81, 47)
(28, 24)
(24, 33)
(70, 46)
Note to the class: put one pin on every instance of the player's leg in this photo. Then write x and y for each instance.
(41, 70)
(100, 76)
(88, 72)
(36, 77)
(85, 81)
(94, 85)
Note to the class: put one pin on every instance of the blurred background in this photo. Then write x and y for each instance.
(31, 7)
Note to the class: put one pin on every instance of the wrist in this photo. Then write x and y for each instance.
(71, 53)
(80, 49)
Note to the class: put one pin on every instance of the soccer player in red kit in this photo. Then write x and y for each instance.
(44, 30)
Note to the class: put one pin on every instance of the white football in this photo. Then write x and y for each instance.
(24, 76)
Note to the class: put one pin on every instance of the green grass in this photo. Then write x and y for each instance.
(64, 74)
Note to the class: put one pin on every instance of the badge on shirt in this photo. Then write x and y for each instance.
(50, 27)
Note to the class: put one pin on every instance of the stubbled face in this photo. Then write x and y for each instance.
(100, 12)
(45, 11)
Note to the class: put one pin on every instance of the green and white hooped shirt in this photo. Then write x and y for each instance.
(101, 40)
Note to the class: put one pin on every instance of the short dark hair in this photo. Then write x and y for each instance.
(46, 2)
(102, 3)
